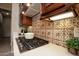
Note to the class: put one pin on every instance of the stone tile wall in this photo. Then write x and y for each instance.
(55, 31)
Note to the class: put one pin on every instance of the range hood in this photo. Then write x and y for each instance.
(33, 10)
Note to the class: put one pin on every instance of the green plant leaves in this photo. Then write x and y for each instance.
(73, 43)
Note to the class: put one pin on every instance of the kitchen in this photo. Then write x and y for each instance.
(37, 23)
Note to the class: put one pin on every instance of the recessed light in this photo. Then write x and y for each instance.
(7, 13)
(23, 12)
(28, 4)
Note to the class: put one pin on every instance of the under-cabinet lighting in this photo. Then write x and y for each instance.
(61, 16)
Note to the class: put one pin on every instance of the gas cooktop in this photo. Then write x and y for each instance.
(29, 44)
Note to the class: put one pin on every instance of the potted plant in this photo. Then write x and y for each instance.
(73, 45)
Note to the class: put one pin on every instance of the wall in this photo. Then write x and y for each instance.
(76, 27)
(15, 29)
(7, 26)
(63, 30)
(56, 32)
(1, 26)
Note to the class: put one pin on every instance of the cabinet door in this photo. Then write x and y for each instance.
(26, 21)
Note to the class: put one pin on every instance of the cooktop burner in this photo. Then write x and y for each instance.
(28, 44)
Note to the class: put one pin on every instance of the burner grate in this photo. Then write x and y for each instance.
(29, 44)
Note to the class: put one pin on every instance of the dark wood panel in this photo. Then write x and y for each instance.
(27, 21)
(76, 9)
(51, 7)
(43, 8)
(48, 4)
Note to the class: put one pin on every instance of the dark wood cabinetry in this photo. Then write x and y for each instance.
(52, 9)
(76, 7)
(26, 21)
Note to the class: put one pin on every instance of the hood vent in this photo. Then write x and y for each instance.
(33, 10)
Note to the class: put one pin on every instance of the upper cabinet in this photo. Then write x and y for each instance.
(26, 21)
(76, 8)
(48, 7)
(52, 9)
(47, 10)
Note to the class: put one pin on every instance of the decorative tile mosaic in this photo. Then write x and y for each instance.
(49, 35)
(49, 25)
(76, 22)
(42, 24)
(56, 32)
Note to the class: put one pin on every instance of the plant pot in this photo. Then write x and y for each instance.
(78, 52)
(73, 51)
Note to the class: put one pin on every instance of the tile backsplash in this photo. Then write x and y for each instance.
(55, 31)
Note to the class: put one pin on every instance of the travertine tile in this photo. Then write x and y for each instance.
(56, 32)
(49, 25)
